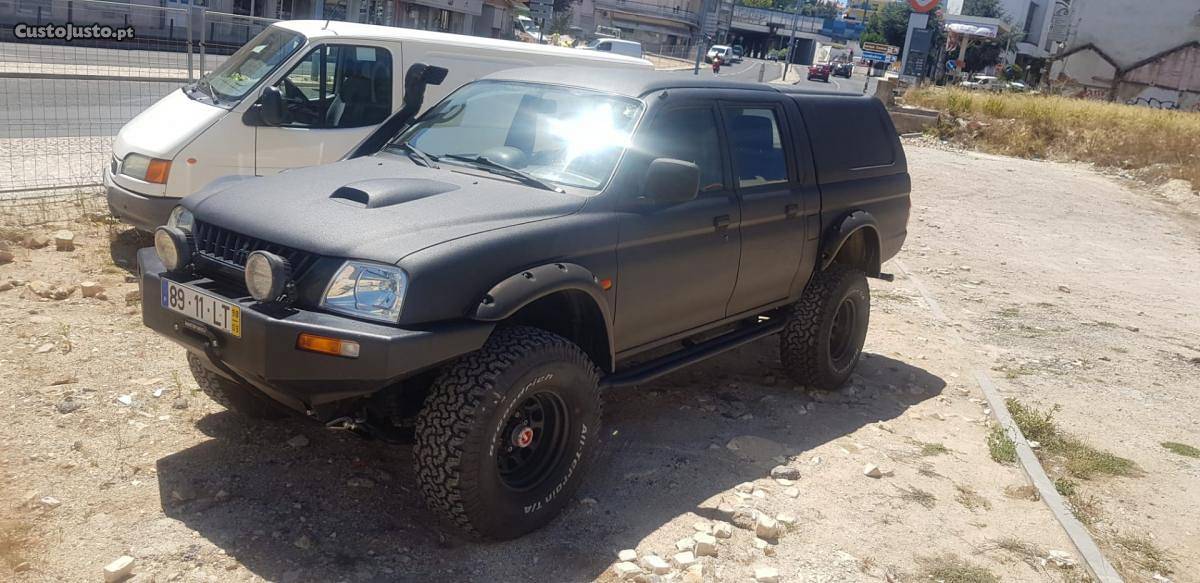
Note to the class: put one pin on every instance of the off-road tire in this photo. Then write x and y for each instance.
(805, 342)
(461, 432)
(241, 399)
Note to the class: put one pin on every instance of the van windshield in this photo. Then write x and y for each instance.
(562, 135)
(243, 70)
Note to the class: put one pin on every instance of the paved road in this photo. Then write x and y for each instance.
(746, 71)
(50, 108)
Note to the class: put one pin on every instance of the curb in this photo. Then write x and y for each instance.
(1093, 559)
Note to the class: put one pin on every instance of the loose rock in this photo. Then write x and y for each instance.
(303, 543)
(626, 570)
(1064, 289)
(43, 349)
(787, 519)
(684, 560)
(298, 441)
(694, 574)
(785, 473)
(67, 406)
(872, 471)
(35, 241)
(119, 569)
(90, 289)
(792, 492)
(706, 545)
(656, 565)
(767, 528)
(766, 575)
(50, 502)
(722, 530)
(180, 403)
(627, 555)
(64, 241)
(743, 518)
(6, 256)
(685, 544)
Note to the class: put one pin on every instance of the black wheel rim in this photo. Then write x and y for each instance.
(841, 336)
(533, 441)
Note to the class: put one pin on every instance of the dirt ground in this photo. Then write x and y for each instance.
(109, 449)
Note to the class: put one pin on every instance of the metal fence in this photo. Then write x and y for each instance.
(62, 101)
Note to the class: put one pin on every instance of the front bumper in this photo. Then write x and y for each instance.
(266, 355)
(144, 212)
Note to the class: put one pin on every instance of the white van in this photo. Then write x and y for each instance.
(338, 81)
(723, 51)
(616, 46)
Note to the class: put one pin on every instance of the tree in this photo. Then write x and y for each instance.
(890, 23)
(984, 8)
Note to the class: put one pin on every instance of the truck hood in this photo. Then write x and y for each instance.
(379, 208)
(163, 129)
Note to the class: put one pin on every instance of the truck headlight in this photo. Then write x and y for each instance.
(181, 218)
(173, 247)
(267, 276)
(146, 168)
(367, 290)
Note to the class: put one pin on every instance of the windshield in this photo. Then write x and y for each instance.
(243, 70)
(558, 134)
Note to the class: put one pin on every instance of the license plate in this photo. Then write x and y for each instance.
(201, 306)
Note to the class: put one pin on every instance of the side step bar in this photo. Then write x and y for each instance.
(658, 367)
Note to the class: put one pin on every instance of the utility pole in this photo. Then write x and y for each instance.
(787, 61)
(701, 36)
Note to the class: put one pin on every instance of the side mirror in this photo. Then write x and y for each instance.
(270, 107)
(671, 181)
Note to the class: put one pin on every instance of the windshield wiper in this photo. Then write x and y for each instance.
(497, 168)
(416, 154)
(212, 93)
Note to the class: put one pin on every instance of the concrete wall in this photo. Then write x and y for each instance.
(1131, 31)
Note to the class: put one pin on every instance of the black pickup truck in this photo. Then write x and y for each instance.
(474, 280)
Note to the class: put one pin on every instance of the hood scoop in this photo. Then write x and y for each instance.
(384, 192)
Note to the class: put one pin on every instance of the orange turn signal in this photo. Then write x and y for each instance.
(157, 171)
(327, 345)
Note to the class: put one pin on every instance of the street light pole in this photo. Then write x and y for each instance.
(787, 62)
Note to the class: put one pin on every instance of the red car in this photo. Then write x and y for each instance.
(819, 72)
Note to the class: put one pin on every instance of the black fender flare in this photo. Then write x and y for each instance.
(516, 291)
(842, 230)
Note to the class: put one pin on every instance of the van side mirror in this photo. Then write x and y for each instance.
(270, 107)
(671, 181)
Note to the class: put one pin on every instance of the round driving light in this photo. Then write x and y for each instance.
(266, 276)
(173, 247)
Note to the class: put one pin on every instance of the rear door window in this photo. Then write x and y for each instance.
(756, 143)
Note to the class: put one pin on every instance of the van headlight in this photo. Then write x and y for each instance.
(181, 217)
(145, 168)
(367, 290)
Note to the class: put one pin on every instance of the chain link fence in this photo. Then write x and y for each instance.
(62, 100)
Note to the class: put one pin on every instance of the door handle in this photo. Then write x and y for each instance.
(791, 210)
(721, 222)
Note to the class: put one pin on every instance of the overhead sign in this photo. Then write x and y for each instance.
(541, 10)
(1060, 22)
(881, 48)
(923, 6)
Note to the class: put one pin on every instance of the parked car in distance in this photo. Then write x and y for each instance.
(618, 46)
(843, 70)
(538, 236)
(723, 51)
(987, 82)
(738, 53)
(269, 107)
(819, 71)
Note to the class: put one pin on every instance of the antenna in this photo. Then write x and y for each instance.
(326, 27)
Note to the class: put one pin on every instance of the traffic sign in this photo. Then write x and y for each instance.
(877, 56)
(951, 65)
(923, 6)
(881, 48)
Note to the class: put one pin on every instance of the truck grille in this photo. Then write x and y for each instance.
(228, 251)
